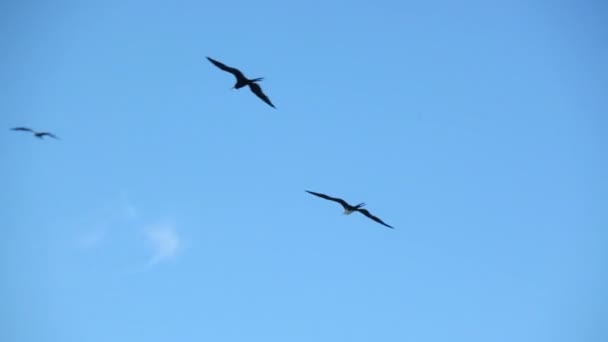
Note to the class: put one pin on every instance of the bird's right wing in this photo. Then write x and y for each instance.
(25, 129)
(339, 200)
(236, 72)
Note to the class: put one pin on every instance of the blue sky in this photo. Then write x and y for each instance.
(173, 208)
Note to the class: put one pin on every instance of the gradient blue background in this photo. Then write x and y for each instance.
(173, 208)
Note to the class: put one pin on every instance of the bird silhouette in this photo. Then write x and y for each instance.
(38, 135)
(242, 81)
(349, 209)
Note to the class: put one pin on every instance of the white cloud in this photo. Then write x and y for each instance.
(164, 240)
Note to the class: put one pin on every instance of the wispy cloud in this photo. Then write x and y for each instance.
(128, 209)
(91, 239)
(164, 240)
(125, 225)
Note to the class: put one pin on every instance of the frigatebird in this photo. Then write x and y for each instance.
(38, 135)
(349, 209)
(242, 81)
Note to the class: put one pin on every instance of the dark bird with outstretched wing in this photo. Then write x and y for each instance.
(242, 81)
(349, 209)
(38, 135)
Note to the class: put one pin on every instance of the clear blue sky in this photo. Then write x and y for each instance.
(173, 208)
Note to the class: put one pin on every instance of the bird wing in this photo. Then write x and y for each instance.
(236, 72)
(366, 213)
(22, 129)
(48, 134)
(256, 89)
(339, 200)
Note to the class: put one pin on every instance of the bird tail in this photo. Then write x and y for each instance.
(360, 205)
(257, 79)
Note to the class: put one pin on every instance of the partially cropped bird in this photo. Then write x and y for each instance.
(38, 135)
(242, 81)
(349, 209)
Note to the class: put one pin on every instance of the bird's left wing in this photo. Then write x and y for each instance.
(366, 213)
(256, 89)
(49, 134)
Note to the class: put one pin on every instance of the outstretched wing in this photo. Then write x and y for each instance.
(256, 89)
(236, 72)
(366, 213)
(339, 200)
(25, 129)
(42, 134)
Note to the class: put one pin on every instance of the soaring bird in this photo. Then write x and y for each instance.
(242, 81)
(38, 135)
(349, 209)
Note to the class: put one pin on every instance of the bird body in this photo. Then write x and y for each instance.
(349, 209)
(242, 81)
(38, 135)
(41, 135)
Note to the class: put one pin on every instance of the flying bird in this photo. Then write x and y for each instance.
(349, 209)
(242, 81)
(38, 135)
